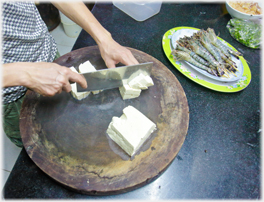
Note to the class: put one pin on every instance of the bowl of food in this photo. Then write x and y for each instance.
(245, 10)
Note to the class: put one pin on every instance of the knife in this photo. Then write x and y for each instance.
(112, 78)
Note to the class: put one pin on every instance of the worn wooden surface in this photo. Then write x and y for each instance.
(67, 138)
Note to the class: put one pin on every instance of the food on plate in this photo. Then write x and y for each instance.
(134, 84)
(83, 68)
(131, 130)
(248, 7)
(246, 32)
(218, 44)
(204, 50)
(75, 94)
(182, 55)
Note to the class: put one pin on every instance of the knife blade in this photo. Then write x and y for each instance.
(112, 78)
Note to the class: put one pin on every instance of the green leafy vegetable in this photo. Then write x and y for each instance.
(246, 32)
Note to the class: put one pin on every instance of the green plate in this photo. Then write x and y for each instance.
(188, 71)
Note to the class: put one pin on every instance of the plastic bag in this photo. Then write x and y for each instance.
(246, 32)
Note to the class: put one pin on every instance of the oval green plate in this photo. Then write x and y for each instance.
(184, 68)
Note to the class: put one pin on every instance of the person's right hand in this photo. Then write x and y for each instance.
(44, 78)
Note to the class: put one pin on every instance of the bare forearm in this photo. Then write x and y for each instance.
(15, 74)
(111, 51)
(80, 14)
(42, 77)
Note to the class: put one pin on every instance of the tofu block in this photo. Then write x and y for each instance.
(134, 84)
(131, 130)
(75, 94)
(149, 81)
(128, 93)
(88, 67)
(140, 81)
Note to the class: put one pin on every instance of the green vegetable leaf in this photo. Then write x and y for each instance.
(246, 32)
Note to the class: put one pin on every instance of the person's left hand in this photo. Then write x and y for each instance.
(113, 53)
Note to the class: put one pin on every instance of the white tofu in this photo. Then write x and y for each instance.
(149, 81)
(75, 94)
(96, 91)
(140, 81)
(88, 67)
(132, 86)
(78, 95)
(131, 130)
(128, 93)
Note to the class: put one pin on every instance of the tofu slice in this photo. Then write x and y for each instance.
(132, 86)
(75, 94)
(131, 130)
(140, 81)
(128, 93)
(149, 81)
(86, 67)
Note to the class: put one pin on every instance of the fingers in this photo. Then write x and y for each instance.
(110, 64)
(128, 58)
(66, 75)
(63, 82)
(125, 57)
(78, 78)
(113, 53)
(49, 79)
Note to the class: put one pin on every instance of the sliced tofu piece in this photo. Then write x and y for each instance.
(149, 81)
(86, 67)
(132, 86)
(140, 81)
(128, 93)
(131, 130)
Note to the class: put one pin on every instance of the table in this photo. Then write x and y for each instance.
(220, 158)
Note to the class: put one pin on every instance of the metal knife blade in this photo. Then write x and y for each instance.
(112, 78)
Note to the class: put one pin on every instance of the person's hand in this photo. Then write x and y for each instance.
(44, 78)
(113, 53)
(49, 79)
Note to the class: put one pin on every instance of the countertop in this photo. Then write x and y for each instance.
(220, 158)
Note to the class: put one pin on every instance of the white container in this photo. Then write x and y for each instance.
(139, 10)
(71, 28)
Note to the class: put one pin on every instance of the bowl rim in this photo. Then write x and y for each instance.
(249, 15)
